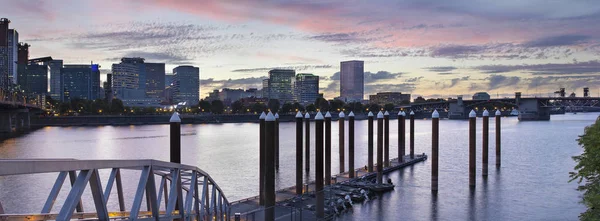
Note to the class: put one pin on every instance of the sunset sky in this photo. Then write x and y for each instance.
(424, 47)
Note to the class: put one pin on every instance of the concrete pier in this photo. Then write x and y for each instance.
(341, 119)
(472, 148)
(379, 147)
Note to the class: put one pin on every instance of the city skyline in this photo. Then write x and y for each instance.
(408, 46)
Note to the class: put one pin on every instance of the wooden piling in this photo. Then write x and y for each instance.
(370, 142)
(498, 138)
(299, 140)
(472, 147)
(307, 142)
(435, 136)
(401, 136)
(261, 159)
(386, 139)
(412, 135)
(276, 141)
(320, 200)
(351, 144)
(379, 147)
(327, 149)
(341, 141)
(270, 138)
(486, 131)
(175, 135)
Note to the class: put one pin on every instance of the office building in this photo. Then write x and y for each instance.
(168, 79)
(33, 78)
(281, 86)
(126, 79)
(108, 93)
(306, 88)
(80, 81)
(228, 96)
(155, 80)
(13, 42)
(56, 86)
(352, 81)
(186, 85)
(265, 89)
(4, 54)
(384, 98)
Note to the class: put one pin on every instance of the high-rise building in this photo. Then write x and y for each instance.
(80, 81)
(56, 86)
(13, 42)
(126, 79)
(33, 78)
(306, 88)
(22, 53)
(352, 80)
(155, 80)
(4, 54)
(108, 93)
(186, 83)
(281, 85)
(265, 89)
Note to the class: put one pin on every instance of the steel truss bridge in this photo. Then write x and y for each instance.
(546, 102)
(187, 192)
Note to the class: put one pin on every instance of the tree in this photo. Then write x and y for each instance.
(217, 107)
(116, 106)
(237, 107)
(388, 107)
(322, 104)
(419, 100)
(336, 105)
(588, 171)
(274, 105)
(297, 107)
(311, 108)
(374, 108)
(258, 107)
(204, 106)
(286, 108)
(355, 107)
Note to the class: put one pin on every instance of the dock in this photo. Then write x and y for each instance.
(339, 196)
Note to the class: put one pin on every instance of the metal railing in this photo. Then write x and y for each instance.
(187, 192)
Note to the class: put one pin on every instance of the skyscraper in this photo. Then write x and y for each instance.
(155, 80)
(186, 83)
(33, 77)
(281, 86)
(80, 81)
(13, 42)
(352, 80)
(56, 86)
(4, 53)
(126, 78)
(306, 88)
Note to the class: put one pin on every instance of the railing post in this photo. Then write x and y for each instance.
(370, 143)
(299, 157)
(472, 147)
(379, 147)
(435, 136)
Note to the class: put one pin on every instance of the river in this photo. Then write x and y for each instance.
(532, 183)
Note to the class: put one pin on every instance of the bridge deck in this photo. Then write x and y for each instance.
(250, 209)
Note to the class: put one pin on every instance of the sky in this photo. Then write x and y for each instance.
(431, 48)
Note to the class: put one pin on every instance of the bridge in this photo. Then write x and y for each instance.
(15, 111)
(187, 192)
(529, 108)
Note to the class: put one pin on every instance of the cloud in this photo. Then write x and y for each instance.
(165, 57)
(252, 82)
(498, 81)
(455, 81)
(380, 75)
(545, 69)
(376, 88)
(560, 40)
(446, 73)
(296, 68)
(440, 69)
(414, 79)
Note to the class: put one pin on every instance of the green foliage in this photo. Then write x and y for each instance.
(388, 107)
(217, 107)
(336, 105)
(297, 107)
(258, 107)
(237, 107)
(204, 106)
(374, 108)
(355, 107)
(274, 105)
(287, 107)
(322, 104)
(311, 108)
(419, 100)
(588, 171)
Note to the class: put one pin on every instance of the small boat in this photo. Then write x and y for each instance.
(378, 188)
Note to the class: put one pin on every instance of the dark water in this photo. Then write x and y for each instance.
(532, 183)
